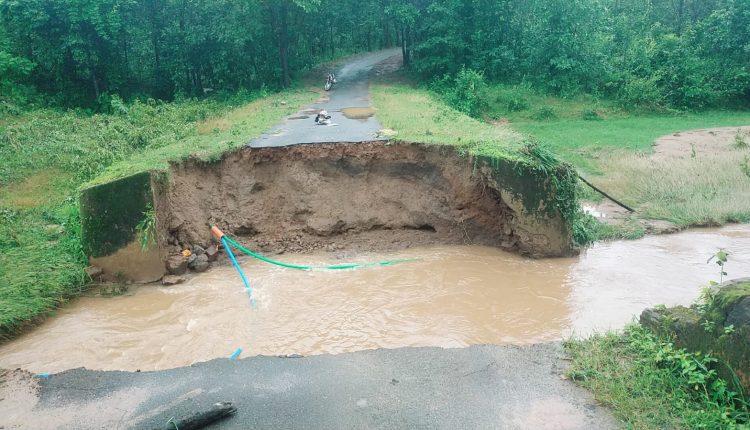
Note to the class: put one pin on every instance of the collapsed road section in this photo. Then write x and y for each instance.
(302, 198)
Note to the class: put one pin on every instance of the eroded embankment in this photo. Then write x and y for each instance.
(373, 196)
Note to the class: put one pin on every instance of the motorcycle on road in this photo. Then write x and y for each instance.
(330, 80)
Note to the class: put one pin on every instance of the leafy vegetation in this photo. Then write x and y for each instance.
(651, 384)
(648, 53)
(81, 52)
(47, 154)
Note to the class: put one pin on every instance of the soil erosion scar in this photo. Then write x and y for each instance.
(372, 196)
(361, 196)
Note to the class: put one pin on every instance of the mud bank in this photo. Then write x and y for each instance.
(366, 196)
(371, 196)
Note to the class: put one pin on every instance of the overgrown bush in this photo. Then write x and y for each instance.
(466, 91)
(544, 113)
(590, 115)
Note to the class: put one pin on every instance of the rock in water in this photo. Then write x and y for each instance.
(172, 280)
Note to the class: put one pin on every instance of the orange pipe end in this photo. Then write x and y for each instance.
(218, 233)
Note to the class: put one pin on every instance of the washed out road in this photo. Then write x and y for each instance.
(350, 95)
(480, 387)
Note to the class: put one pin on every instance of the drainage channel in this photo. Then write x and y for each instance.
(452, 296)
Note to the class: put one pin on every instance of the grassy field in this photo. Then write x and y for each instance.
(612, 147)
(46, 155)
(417, 116)
(649, 384)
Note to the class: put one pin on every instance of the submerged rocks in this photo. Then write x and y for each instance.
(720, 328)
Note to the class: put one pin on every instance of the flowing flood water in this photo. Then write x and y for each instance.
(450, 297)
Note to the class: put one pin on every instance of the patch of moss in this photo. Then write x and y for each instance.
(110, 213)
(725, 299)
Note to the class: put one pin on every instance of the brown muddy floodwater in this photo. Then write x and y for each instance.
(451, 297)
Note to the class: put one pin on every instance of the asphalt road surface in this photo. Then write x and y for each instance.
(351, 91)
(479, 387)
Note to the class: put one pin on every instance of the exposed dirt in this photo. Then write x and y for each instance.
(18, 396)
(371, 196)
(693, 143)
(686, 144)
(389, 65)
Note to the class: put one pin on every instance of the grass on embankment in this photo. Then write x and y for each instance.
(46, 155)
(417, 116)
(649, 384)
(613, 147)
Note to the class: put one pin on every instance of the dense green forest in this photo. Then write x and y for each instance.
(677, 53)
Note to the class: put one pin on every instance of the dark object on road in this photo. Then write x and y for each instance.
(323, 118)
(199, 420)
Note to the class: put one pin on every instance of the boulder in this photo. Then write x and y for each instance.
(177, 265)
(200, 263)
(198, 250)
(212, 252)
(739, 315)
(721, 329)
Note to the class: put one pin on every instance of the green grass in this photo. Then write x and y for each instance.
(417, 116)
(581, 141)
(649, 384)
(215, 135)
(613, 146)
(708, 191)
(46, 155)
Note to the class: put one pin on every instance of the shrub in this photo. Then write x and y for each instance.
(465, 92)
(590, 115)
(544, 113)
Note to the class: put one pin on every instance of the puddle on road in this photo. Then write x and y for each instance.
(453, 296)
(358, 113)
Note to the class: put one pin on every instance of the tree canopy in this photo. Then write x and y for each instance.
(683, 53)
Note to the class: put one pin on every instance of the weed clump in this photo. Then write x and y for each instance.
(651, 384)
(466, 91)
(544, 113)
(590, 115)
(740, 140)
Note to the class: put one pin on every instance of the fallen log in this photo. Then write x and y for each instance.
(199, 420)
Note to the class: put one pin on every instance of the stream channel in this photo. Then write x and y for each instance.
(451, 296)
